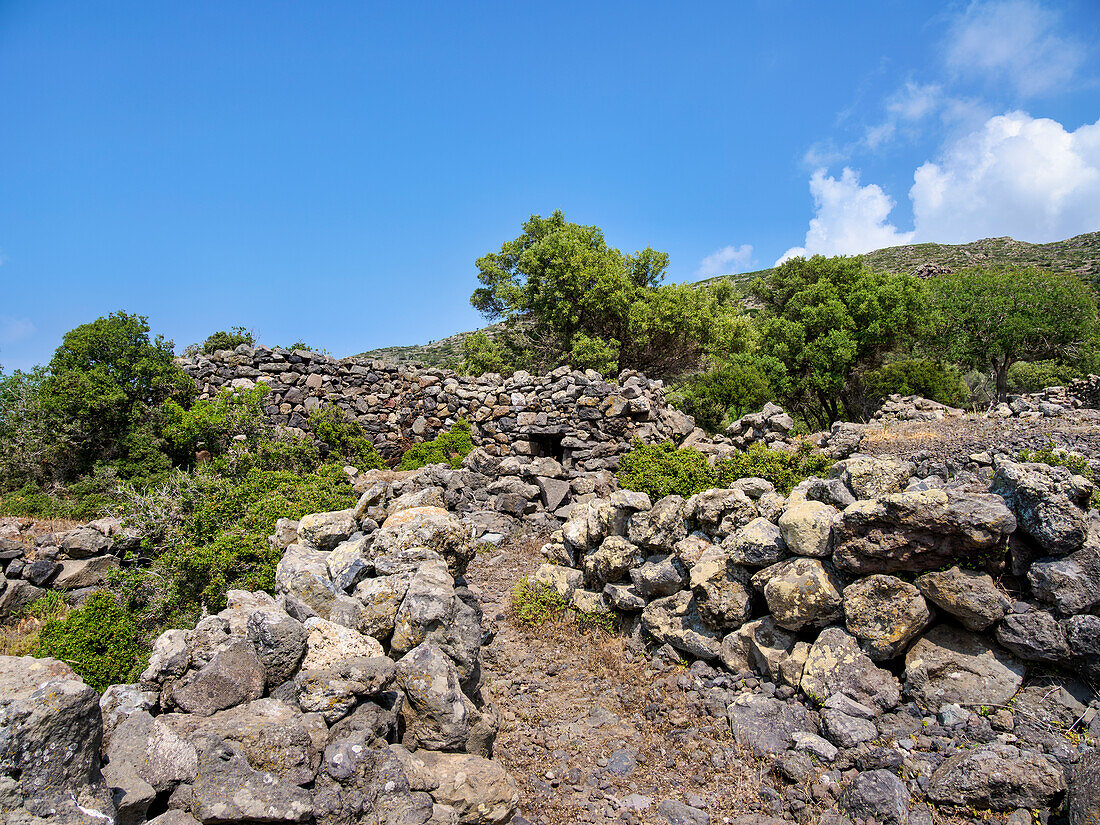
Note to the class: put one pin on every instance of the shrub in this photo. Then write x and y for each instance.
(230, 339)
(1032, 376)
(742, 385)
(29, 441)
(446, 448)
(782, 468)
(212, 423)
(101, 640)
(482, 354)
(1076, 464)
(662, 469)
(345, 437)
(535, 604)
(929, 379)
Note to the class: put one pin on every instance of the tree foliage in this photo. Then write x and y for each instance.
(825, 318)
(991, 318)
(569, 297)
(742, 384)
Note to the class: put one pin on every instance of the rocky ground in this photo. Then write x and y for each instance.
(592, 732)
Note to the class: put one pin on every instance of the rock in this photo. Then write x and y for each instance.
(813, 744)
(437, 714)
(17, 596)
(302, 573)
(800, 593)
(759, 645)
(877, 796)
(676, 812)
(660, 527)
(806, 528)
(885, 614)
(847, 731)
(997, 779)
(1070, 584)
(324, 531)
(119, 702)
(84, 573)
(273, 736)
(430, 527)
(50, 729)
(654, 579)
(280, 642)
(328, 644)
(837, 665)
(1034, 637)
(227, 789)
(919, 531)
(132, 794)
(969, 596)
(1083, 800)
(159, 755)
(758, 544)
(765, 724)
(553, 491)
(714, 508)
(872, 476)
(949, 664)
(623, 597)
(722, 591)
(1045, 502)
(427, 609)
(611, 561)
(335, 691)
(376, 603)
(83, 542)
(40, 571)
(675, 620)
(562, 580)
(170, 658)
(233, 676)
(478, 789)
(349, 555)
(1083, 637)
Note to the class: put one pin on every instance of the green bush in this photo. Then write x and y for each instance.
(1060, 458)
(742, 385)
(929, 379)
(535, 604)
(1032, 376)
(211, 424)
(345, 437)
(662, 469)
(101, 640)
(446, 448)
(231, 339)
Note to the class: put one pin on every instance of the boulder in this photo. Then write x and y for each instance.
(919, 531)
(997, 778)
(426, 610)
(872, 476)
(758, 544)
(885, 614)
(800, 592)
(846, 731)
(170, 657)
(375, 605)
(562, 580)
(1046, 501)
(438, 716)
(760, 645)
(83, 542)
(77, 574)
(662, 576)
(228, 789)
(328, 644)
(479, 790)
(721, 511)
(1035, 636)
(676, 620)
(722, 591)
(335, 691)
(302, 573)
(660, 527)
(952, 665)
(1083, 799)
(324, 531)
(430, 527)
(969, 596)
(235, 675)
(836, 664)
(765, 725)
(611, 561)
(1083, 637)
(876, 796)
(1070, 584)
(280, 642)
(806, 528)
(159, 755)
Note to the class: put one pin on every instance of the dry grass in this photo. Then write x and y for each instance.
(20, 639)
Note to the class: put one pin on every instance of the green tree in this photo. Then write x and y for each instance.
(28, 440)
(989, 319)
(825, 318)
(577, 300)
(104, 383)
(741, 385)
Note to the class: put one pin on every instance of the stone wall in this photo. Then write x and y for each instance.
(577, 417)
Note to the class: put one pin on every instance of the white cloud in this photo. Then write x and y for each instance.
(1013, 40)
(1018, 175)
(15, 329)
(725, 261)
(850, 218)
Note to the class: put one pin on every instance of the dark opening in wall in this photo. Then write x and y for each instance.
(547, 445)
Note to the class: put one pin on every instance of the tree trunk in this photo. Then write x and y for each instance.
(1002, 378)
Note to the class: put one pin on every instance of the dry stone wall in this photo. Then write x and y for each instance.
(576, 417)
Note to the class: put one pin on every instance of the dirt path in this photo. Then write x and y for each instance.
(594, 733)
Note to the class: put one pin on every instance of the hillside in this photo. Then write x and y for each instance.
(1080, 254)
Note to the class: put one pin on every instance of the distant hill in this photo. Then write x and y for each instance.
(1080, 255)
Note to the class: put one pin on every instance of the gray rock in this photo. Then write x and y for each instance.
(806, 528)
(836, 664)
(611, 561)
(83, 542)
(91, 572)
(758, 544)
(159, 755)
(479, 790)
(885, 614)
(722, 591)
(119, 702)
(429, 527)
(325, 531)
(334, 691)
(302, 573)
(562, 580)
(801, 592)
(877, 796)
(676, 812)
(1070, 584)
(760, 646)
(969, 596)
(872, 476)
(438, 715)
(722, 510)
(228, 789)
(235, 675)
(654, 579)
(378, 601)
(1034, 637)
(1083, 799)
(997, 778)
(1046, 503)
(846, 731)
(676, 620)
(765, 724)
(426, 610)
(660, 527)
(170, 658)
(920, 531)
(280, 642)
(1083, 637)
(949, 664)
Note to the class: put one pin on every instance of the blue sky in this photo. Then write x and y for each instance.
(330, 171)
